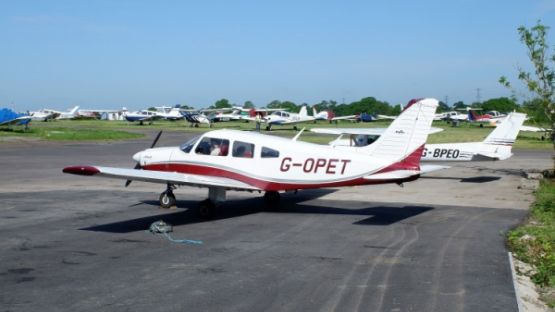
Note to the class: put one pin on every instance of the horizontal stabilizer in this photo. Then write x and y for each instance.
(491, 156)
(431, 168)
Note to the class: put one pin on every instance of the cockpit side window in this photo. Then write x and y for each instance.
(268, 152)
(243, 149)
(213, 147)
(188, 146)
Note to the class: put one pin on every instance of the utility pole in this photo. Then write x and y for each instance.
(478, 97)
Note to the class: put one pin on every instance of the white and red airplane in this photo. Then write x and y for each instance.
(282, 118)
(496, 146)
(223, 160)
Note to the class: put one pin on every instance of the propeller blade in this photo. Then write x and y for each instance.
(138, 165)
(156, 139)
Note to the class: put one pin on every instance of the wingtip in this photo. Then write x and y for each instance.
(81, 170)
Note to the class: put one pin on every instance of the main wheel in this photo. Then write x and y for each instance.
(167, 200)
(206, 209)
(272, 199)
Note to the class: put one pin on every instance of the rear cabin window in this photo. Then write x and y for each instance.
(268, 153)
(213, 147)
(243, 149)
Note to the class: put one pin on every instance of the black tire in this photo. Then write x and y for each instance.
(206, 209)
(167, 200)
(272, 199)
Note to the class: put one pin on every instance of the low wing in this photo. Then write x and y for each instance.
(17, 121)
(350, 117)
(386, 117)
(162, 177)
(533, 129)
(360, 131)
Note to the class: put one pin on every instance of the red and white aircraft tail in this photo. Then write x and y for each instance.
(403, 141)
(407, 133)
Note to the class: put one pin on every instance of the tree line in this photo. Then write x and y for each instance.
(373, 106)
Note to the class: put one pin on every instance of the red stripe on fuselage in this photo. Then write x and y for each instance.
(262, 184)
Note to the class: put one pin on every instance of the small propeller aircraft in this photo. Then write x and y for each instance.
(282, 118)
(223, 160)
(142, 116)
(496, 146)
(11, 118)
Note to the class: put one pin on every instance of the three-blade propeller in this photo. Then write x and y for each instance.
(138, 165)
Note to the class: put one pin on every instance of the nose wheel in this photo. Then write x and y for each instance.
(167, 199)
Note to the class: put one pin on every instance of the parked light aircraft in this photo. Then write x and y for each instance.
(222, 160)
(44, 115)
(141, 116)
(51, 114)
(70, 114)
(169, 113)
(11, 118)
(197, 118)
(496, 146)
(282, 117)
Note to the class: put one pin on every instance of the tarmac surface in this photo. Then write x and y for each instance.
(73, 243)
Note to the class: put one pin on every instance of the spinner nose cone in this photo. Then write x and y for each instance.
(137, 157)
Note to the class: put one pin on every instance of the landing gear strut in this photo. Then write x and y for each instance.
(207, 207)
(167, 199)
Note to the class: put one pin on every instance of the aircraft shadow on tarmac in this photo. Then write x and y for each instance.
(478, 179)
(378, 215)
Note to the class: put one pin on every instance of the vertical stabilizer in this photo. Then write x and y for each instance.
(407, 133)
(507, 130)
(303, 113)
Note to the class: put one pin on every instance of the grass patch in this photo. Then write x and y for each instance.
(466, 132)
(70, 134)
(534, 241)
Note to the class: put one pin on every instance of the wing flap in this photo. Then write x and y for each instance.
(162, 177)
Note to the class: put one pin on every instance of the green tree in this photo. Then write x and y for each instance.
(248, 105)
(541, 82)
(443, 107)
(502, 104)
(286, 105)
(460, 105)
(223, 103)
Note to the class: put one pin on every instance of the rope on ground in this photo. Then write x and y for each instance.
(161, 227)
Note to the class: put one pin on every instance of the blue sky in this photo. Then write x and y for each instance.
(137, 54)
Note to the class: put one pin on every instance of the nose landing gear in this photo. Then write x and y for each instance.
(167, 199)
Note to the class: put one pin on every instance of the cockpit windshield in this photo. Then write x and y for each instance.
(187, 146)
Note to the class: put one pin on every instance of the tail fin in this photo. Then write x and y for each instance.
(507, 130)
(303, 112)
(407, 133)
(314, 112)
(471, 115)
(74, 110)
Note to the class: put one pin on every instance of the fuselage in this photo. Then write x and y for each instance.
(267, 162)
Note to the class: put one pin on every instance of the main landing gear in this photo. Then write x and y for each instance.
(272, 199)
(216, 195)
